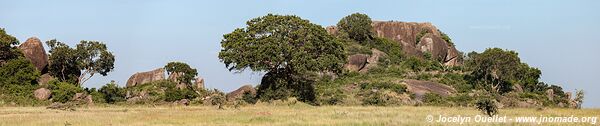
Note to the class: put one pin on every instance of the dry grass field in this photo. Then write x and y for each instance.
(262, 114)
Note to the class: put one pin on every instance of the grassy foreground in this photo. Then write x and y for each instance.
(298, 114)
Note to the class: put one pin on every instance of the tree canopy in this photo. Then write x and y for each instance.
(495, 69)
(281, 44)
(77, 65)
(184, 71)
(356, 26)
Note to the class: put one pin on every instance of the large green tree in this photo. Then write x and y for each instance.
(494, 70)
(356, 26)
(286, 47)
(77, 65)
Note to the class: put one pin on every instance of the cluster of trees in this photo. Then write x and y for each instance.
(70, 66)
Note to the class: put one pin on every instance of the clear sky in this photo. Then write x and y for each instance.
(559, 37)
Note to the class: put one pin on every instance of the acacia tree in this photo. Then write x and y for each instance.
(184, 71)
(494, 70)
(356, 26)
(77, 65)
(286, 47)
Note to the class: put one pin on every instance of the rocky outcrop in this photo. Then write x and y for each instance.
(42, 94)
(240, 92)
(145, 77)
(406, 33)
(363, 62)
(420, 88)
(34, 51)
(83, 98)
(199, 82)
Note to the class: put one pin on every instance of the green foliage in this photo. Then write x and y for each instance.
(77, 65)
(286, 46)
(356, 26)
(398, 88)
(248, 97)
(446, 38)
(391, 48)
(372, 98)
(184, 71)
(161, 91)
(18, 71)
(63, 91)
(20, 95)
(98, 97)
(487, 106)
(417, 65)
(494, 70)
(457, 81)
(8, 49)
(112, 93)
(420, 35)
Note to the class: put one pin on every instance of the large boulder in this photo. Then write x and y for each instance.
(34, 51)
(42, 94)
(145, 77)
(240, 92)
(363, 62)
(420, 88)
(83, 98)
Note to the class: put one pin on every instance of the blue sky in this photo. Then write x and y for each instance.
(559, 37)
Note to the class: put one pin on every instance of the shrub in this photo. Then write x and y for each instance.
(63, 91)
(372, 98)
(487, 106)
(434, 99)
(398, 88)
(112, 93)
(248, 97)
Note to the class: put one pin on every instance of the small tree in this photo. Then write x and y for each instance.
(487, 106)
(77, 65)
(356, 26)
(184, 71)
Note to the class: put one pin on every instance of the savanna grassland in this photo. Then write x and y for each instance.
(264, 114)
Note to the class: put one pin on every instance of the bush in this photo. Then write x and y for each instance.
(18, 71)
(63, 91)
(248, 97)
(112, 93)
(487, 106)
(434, 99)
(356, 26)
(398, 88)
(97, 96)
